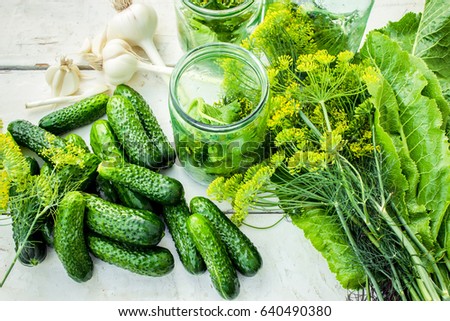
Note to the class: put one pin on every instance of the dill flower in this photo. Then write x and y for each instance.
(345, 56)
(283, 112)
(286, 29)
(291, 137)
(5, 184)
(307, 160)
(277, 159)
(284, 62)
(324, 58)
(222, 189)
(247, 195)
(306, 63)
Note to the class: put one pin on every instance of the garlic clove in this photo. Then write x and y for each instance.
(98, 43)
(86, 47)
(64, 79)
(120, 69)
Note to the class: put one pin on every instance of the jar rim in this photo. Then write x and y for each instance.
(225, 48)
(218, 13)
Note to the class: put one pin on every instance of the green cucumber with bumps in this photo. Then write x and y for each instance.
(242, 251)
(78, 141)
(104, 142)
(105, 190)
(123, 224)
(176, 217)
(69, 239)
(155, 186)
(152, 261)
(128, 129)
(76, 115)
(105, 145)
(149, 122)
(221, 270)
(44, 144)
(35, 138)
(34, 165)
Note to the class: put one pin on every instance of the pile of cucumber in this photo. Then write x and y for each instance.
(122, 203)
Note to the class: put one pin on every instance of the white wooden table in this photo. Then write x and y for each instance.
(34, 35)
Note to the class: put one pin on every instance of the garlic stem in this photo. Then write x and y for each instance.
(150, 49)
(154, 68)
(68, 99)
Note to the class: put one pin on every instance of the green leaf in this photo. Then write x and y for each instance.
(427, 36)
(414, 124)
(404, 31)
(328, 237)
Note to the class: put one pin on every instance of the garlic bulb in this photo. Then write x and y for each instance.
(63, 78)
(136, 24)
(120, 63)
(91, 50)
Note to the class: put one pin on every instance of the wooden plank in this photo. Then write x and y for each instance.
(37, 32)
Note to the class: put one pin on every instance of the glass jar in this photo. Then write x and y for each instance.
(340, 23)
(231, 22)
(218, 100)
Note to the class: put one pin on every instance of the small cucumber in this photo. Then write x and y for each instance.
(47, 229)
(241, 250)
(131, 134)
(74, 116)
(105, 189)
(150, 123)
(151, 261)
(120, 223)
(176, 217)
(34, 250)
(69, 240)
(105, 145)
(35, 138)
(155, 186)
(34, 165)
(78, 141)
(46, 145)
(104, 142)
(130, 198)
(223, 275)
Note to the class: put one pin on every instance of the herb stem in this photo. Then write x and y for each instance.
(358, 254)
(22, 244)
(265, 227)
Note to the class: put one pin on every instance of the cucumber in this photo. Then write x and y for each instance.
(105, 189)
(69, 240)
(74, 116)
(223, 275)
(130, 198)
(176, 217)
(241, 250)
(34, 165)
(78, 141)
(155, 186)
(47, 230)
(104, 142)
(46, 145)
(151, 261)
(105, 145)
(150, 124)
(120, 223)
(34, 250)
(131, 134)
(35, 138)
